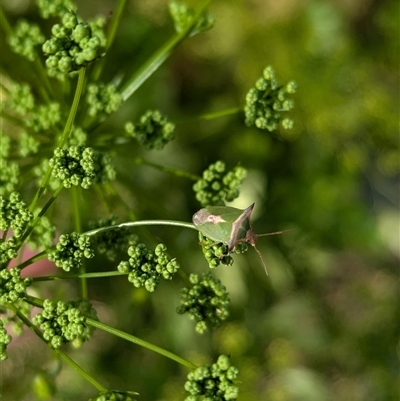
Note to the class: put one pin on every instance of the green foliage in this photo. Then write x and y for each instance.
(64, 322)
(217, 185)
(146, 267)
(206, 301)
(112, 395)
(70, 251)
(213, 382)
(153, 131)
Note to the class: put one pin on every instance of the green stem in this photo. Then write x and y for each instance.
(33, 259)
(33, 223)
(80, 370)
(140, 342)
(74, 107)
(5, 24)
(85, 275)
(159, 56)
(78, 228)
(65, 357)
(176, 172)
(211, 116)
(44, 78)
(141, 223)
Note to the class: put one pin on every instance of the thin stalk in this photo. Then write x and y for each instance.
(140, 342)
(74, 107)
(41, 213)
(141, 223)
(113, 273)
(211, 116)
(78, 228)
(176, 172)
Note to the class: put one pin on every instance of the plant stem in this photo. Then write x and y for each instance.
(74, 107)
(80, 370)
(33, 259)
(33, 223)
(176, 172)
(140, 342)
(85, 275)
(211, 116)
(141, 223)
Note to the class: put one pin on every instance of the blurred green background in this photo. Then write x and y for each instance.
(324, 324)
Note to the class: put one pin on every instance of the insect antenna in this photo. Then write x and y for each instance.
(262, 259)
(275, 233)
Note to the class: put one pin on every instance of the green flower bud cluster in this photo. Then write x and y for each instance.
(146, 267)
(21, 99)
(112, 395)
(12, 285)
(9, 176)
(70, 251)
(37, 117)
(82, 166)
(8, 250)
(72, 45)
(77, 137)
(5, 339)
(102, 99)
(213, 382)
(55, 8)
(111, 242)
(98, 25)
(27, 145)
(267, 100)
(87, 310)
(5, 144)
(14, 214)
(183, 15)
(61, 323)
(153, 131)
(217, 253)
(44, 117)
(218, 186)
(206, 302)
(24, 39)
(42, 236)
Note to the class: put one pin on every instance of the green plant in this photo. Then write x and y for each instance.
(57, 148)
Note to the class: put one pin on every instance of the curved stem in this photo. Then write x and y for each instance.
(140, 342)
(141, 223)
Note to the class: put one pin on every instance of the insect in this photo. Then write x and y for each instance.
(230, 226)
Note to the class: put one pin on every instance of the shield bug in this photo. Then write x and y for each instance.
(229, 226)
